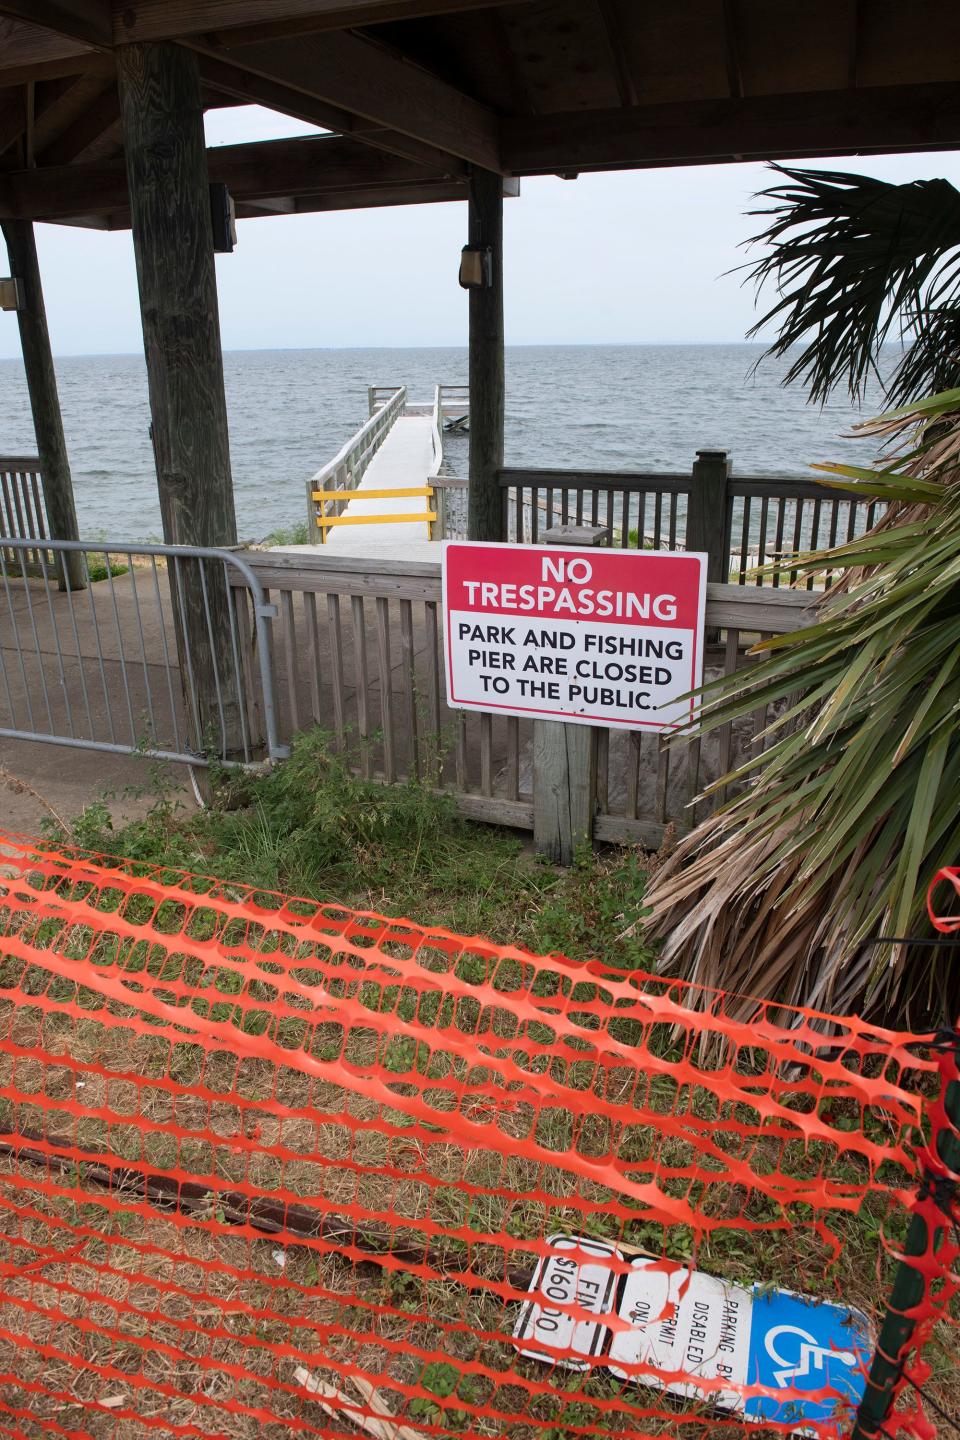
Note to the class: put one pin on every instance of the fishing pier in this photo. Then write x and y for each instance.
(382, 486)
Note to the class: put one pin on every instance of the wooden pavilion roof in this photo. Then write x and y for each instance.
(416, 91)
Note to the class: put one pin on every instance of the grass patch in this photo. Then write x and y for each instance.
(298, 534)
(311, 828)
(99, 570)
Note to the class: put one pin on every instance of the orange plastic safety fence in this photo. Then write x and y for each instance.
(939, 891)
(269, 1166)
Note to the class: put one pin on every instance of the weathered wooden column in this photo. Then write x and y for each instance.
(162, 118)
(485, 503)
(44, 399)
(172, 239)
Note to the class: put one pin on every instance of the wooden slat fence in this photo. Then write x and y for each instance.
(770, 518)
(23, 514)
(360, 653)
(754, 519)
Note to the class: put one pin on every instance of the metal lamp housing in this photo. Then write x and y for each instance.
(476, 267)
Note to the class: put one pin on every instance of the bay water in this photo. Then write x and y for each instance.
(594, 407)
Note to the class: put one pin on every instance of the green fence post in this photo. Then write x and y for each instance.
(909, 1287)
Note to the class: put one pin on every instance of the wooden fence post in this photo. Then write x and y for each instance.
(565, 756)
(708, 514)
(44, 400)
(564, 788)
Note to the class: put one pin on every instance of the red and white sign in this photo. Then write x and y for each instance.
(597, 637)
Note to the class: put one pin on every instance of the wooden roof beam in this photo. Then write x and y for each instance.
(618, 55)
(87, 132)
(431, 193)
(367, 80)
(767, 127)
(853, 50)
(88, 62)
(263, 170)
(56, 117)
(38, 111)
(249, 88)
(104, 23)
(28, 52)
(90, 22)
(13, 117)
(254, 20)
(731, 47)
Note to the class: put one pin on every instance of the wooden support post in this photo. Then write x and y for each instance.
(565, 757)
(173, 242)
(162, 119)
(564, 788)
(485, 510)
(708, 514)
(44, 399)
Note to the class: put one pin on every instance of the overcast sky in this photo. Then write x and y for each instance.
(628, 257)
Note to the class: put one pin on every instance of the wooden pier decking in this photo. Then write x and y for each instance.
(404, 462)
(378, 492)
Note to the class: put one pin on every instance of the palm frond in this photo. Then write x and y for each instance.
(856, 260)
(835, 828)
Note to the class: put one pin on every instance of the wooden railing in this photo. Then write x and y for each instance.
(347, 468)
(380, 395)
(436, 430)
(23, 514)
(454, 404)
(450, 499)
(741, 522)
(359, 651)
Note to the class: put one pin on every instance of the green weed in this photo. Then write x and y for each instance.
(298, 534)
(310, 827)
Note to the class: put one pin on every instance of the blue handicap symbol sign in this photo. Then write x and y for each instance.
(803, 1345)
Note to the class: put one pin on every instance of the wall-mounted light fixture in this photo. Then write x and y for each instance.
(476, 267)
(13, 295)
(223, 217)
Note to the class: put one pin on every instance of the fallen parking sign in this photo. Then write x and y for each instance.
(691, 1325)
(683, 1321)
(799, 1344)
(546, 1328)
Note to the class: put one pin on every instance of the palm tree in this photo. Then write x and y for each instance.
(840, 824)
(836, 827)
(857, 262)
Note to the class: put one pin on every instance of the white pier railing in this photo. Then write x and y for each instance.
(390, 461)
(350, 464)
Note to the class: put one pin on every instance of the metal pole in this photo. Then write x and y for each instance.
(909, 1288)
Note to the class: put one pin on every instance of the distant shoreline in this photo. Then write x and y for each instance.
(760, 345)
(406, 349)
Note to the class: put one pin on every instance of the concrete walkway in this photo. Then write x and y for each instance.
(404, 461)
(47, 784)
(92, 666)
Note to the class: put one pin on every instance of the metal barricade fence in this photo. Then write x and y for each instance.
(163, 653)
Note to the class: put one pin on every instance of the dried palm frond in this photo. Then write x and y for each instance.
(839, 823)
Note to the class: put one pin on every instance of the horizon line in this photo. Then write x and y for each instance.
(350, 349)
